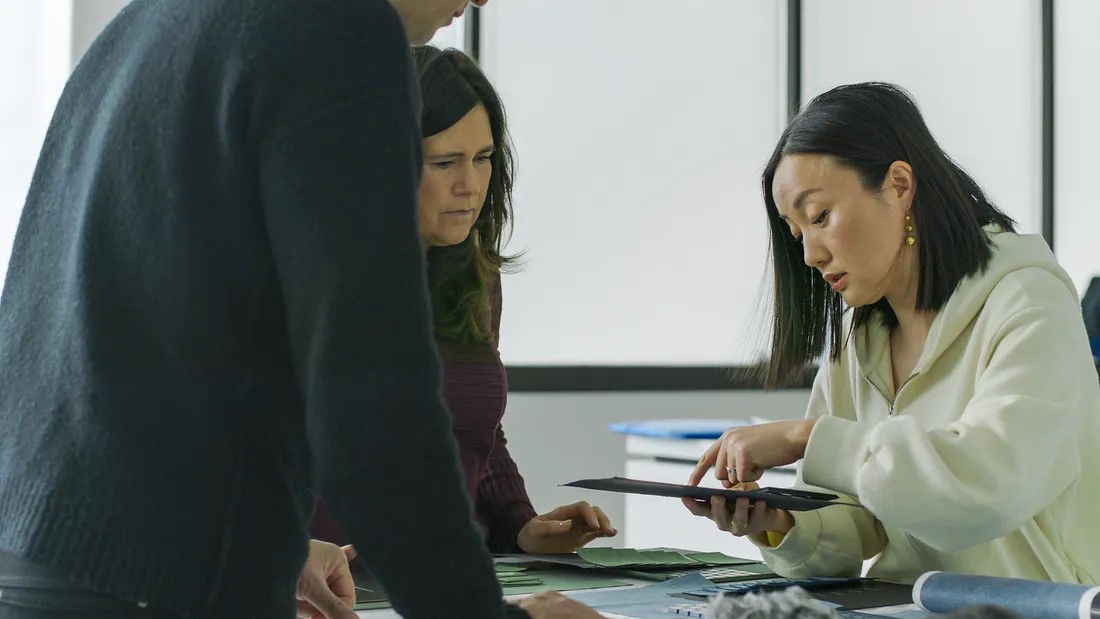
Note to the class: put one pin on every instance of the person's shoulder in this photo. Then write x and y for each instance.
(1031, 287)
(305, 60)
(1022, 273)
(360, 30)
(375, 15)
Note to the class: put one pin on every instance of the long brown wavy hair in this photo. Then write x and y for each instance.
(460, 276)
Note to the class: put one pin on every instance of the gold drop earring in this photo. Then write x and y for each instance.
(909, 238)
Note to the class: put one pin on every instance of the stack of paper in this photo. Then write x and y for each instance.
(657, 558)
(515, 576)
(514, 580)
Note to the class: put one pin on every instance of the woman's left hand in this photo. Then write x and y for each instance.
(564, 529)
(743, 453)
(742, 518)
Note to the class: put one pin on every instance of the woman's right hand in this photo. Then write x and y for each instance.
(744, 519)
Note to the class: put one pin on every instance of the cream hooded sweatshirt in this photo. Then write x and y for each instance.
(986, 461)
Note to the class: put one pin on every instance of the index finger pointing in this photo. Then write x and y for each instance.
(705, 462)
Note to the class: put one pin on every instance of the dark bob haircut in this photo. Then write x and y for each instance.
(867, 127)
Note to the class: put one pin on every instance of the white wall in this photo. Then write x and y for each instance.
(89, 17)
(974, 67)
(557, 438)
(641, 129)
(34, 64)
(1077, 138)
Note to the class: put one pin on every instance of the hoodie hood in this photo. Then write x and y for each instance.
(1010, 253)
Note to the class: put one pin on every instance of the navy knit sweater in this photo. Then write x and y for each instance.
(216, 307)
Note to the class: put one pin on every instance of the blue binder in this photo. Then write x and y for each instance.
(677, 428)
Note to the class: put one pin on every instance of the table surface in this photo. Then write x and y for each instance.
(389, 613)
(671, 449)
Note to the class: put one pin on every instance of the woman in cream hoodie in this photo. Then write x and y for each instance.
(958, 402)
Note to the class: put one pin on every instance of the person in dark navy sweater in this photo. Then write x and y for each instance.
(215, 308)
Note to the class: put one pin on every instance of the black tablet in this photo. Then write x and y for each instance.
(782, 498)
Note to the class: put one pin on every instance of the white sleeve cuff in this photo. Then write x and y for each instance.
(798, 544)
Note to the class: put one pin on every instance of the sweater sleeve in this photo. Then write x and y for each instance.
(502, 500)
(1006, 457)
(834, 541)
(338, 175)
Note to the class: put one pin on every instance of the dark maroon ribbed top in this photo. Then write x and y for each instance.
(475, 387)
